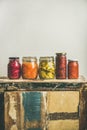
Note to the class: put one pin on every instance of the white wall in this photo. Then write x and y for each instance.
(42, 28)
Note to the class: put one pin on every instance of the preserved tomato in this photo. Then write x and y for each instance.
(14, 68)
(60, 65)
(29, 68)
(73, 69)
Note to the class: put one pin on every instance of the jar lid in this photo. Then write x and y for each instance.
(48, 58)
(74, 60)
(29, 59)
(13, 57)
(61, 53)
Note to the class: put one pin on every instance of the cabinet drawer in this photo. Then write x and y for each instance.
(63, 110)
(41, 110)
(25, 110)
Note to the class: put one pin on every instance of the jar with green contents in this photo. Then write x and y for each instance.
(46, 68)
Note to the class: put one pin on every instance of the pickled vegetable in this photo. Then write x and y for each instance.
(46, 68)
(14, 68)
(29, 68)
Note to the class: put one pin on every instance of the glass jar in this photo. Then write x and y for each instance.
(60, 65)
(14, 68)
(46, 68)
(29, 68)
(73, 69)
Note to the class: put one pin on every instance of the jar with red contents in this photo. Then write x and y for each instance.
(14, 68)
(73, 69)
(60, 65)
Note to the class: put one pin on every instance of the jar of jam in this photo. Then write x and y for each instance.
(29, 68)
(73, 69)
(46, 68)
(60, 65)
(14, 68)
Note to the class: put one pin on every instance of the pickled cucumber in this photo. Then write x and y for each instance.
(46, 70)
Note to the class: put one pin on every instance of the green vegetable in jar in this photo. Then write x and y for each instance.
(46, 68)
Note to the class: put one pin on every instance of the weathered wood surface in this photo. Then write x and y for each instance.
(25, 110)
(83, 108)
(63, 116)
(12, 111)
(62, 101)
(42, 85)
(81, 79)
(41, 110)
(43, 104)
(63, 125)
(62, 109)
(2, 124)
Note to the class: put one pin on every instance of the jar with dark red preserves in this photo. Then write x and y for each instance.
(14, 68)
(73, 69)
(60, 65)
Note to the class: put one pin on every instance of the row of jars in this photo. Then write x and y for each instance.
(47, 68)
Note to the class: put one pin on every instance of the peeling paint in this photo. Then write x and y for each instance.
(44, 110)
(12, 111)
(13, 105)
(32, 106)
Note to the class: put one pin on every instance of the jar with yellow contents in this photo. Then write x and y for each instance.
(46, 68)
(29, 68)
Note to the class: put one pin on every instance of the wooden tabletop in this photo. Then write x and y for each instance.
(81, 79)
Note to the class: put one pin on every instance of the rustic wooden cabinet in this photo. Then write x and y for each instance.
(43, 104)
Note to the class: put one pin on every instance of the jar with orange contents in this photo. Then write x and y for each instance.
(29, 68)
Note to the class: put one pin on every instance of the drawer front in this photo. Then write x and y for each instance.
(25, 110)
(63, 110)
(39, 110)
(63, 125)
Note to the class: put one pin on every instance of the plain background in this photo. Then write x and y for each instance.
(42, 28)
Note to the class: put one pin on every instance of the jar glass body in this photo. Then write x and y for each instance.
(14, 68)
(29, 68)
(73, 70)
(46, 68)
(61, 65)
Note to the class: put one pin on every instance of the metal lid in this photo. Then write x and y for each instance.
(61, 53)
(48, 58)
(13, 57)
(29, 58)
(73, 60)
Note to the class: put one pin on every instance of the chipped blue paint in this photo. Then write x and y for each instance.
(32, 106)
